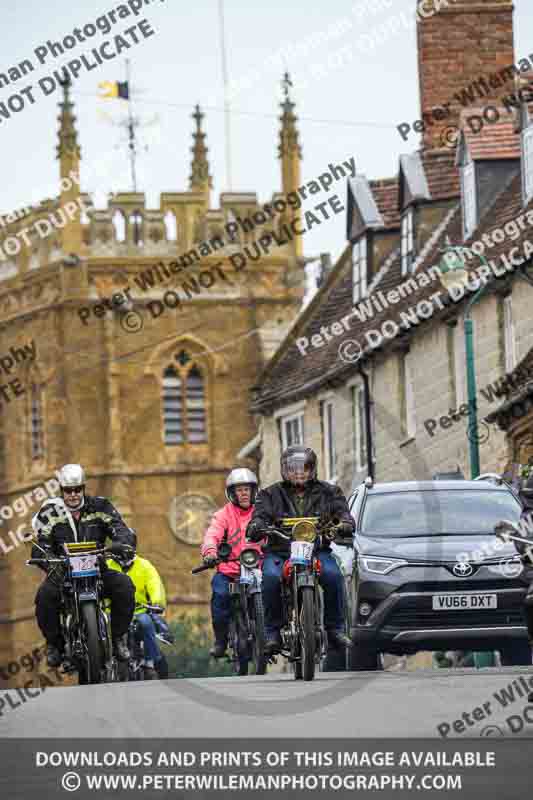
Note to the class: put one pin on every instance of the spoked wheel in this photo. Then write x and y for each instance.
(95, 657)
(243, 646)
(259, 636)
(307, 633)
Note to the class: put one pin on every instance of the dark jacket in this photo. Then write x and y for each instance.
(320, 500)
(98, 520)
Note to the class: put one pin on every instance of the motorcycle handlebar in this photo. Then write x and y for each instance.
(203, 567)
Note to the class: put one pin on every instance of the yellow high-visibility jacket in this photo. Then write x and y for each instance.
(149, 587)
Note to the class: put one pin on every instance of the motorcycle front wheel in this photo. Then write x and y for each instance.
(259, 639)
(307, 633)
(94, 657)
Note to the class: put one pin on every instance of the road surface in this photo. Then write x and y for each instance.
(362, 704)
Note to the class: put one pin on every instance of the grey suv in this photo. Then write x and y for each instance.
(429, 574)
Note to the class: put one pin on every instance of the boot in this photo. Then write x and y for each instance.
(219, 648)
(150, 674)
(221, 641)
(54, 657)
(120, 647)
(273, 643)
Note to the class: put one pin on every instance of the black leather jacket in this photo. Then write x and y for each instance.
(276, 501)
(98, 520)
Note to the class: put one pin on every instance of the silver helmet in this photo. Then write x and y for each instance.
(72, 475)
(237, 477)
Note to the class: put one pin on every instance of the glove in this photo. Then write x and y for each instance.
(210, 560)
(254, 532)
(345, 529)
(502, 530)
(157, 609)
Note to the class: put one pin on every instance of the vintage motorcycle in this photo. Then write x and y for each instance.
(136, 645)
(246, 639)
(303, 637)
(85, 624)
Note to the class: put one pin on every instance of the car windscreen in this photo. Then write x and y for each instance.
(420, 513)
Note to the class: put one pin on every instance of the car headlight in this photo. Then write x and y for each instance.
(381, 566)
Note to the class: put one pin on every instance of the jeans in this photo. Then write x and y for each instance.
(146, 632)
(331, 581)
(220, 605)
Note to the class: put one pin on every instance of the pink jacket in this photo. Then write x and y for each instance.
(235, 520)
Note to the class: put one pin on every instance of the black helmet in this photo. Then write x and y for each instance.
(293, 461)
(128, 558)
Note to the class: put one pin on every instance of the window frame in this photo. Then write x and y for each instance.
(288, 420)
(183, 371)
(360, 262)
(509, 335)
(407, 240)
(469, 197)
(329, 445)
(527, 163)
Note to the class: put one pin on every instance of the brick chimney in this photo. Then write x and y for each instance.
(462, 42)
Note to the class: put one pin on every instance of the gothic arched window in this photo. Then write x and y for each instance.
(136, 221)
(36, 422)
(119, 224)
(172, 406)
(184, 404)
(171, 226)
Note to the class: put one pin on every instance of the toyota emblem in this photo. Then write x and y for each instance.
(462, 569)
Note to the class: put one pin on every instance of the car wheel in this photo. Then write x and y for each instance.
(516, 655)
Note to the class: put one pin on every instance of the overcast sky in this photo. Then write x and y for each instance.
(353, 110)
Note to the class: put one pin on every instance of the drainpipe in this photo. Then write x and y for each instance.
(368, 426)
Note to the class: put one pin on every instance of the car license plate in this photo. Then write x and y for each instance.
(458, 602)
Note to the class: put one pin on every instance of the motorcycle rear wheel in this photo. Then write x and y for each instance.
(307, 633)
(94, 663)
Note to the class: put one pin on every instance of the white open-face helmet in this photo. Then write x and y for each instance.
(72, 475)
(237, 477)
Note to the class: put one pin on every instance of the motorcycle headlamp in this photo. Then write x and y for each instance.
(381, 566)
(304, 531)
(249, 558)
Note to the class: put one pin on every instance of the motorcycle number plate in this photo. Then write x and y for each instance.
(301, 552)
(84, 566)
(247, 576)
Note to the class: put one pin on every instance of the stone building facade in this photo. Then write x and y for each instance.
(384, 310)
(147, 339)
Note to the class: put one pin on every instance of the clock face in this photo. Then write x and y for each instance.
(189, 516)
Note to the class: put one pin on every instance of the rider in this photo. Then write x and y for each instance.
(149, 590)
(228, 524)
(301, 494)
(77, 517)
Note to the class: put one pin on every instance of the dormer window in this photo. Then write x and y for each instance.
(359, 269)
(469, 199)
(408, 240)
(527, 164)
